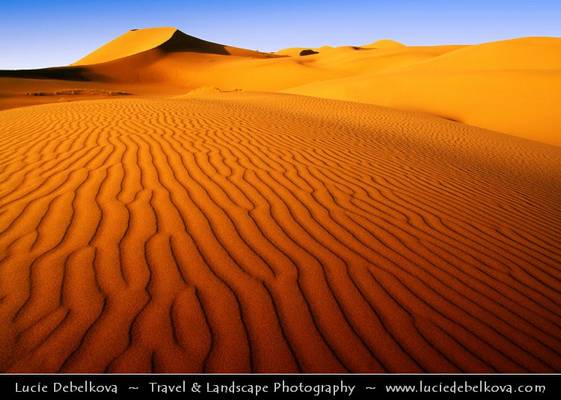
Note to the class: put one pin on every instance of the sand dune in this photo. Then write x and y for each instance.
(230, 232)
(171, 211)
(384, 44)
(132, 42)
(526, 54)
(510, 86)
(165, 40)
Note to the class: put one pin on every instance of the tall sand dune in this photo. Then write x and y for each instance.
(227, 232)
(132, 42)
(165, 40)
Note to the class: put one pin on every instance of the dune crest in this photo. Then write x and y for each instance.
(384, 44)
(524, 54)
(166, 40)
(132, 42)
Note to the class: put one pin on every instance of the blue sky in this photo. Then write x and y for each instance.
(37, 34)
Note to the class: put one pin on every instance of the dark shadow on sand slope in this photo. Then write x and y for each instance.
(177, 43)
(180, 41)
(308, 52)
(61, 73)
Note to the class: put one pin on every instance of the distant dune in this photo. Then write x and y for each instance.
(169, 204)
(384, 44)
(511, 86)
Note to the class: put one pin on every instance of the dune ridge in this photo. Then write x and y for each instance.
(165, 40)
(132, 42)
(234, 227)
(384, 44)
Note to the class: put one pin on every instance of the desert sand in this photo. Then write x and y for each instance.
(169, 204)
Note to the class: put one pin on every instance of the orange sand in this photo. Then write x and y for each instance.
(177, 220)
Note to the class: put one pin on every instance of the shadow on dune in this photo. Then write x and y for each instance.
(180, 41)
(308, 52)
(62, 73)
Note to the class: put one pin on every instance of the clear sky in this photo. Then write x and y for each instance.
(57, 32)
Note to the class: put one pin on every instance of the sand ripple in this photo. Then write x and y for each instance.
(249, 232)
